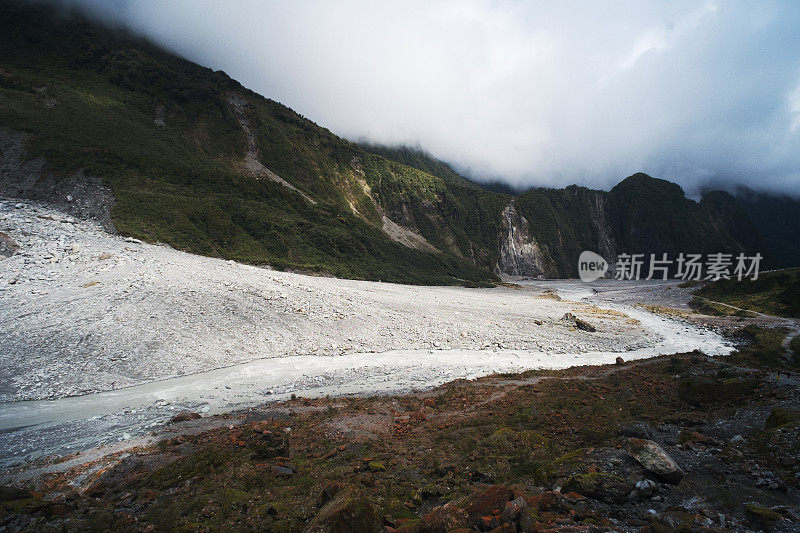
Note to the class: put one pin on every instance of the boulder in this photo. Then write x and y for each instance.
(267, 444)
(655, 460)
(347, 511)
(447, 517)
(489, 501)
(608, 488)
(640, 430)
(553, 501)
(329, 491)
(281, 471)
(572, 320)
(779, 418)
(8, 246)
(761, 517)
(513, 510)
(185, 416)
(646, 488)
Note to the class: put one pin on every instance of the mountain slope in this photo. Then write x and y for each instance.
(421, 160)
(196, 161)
(777, 220)
(105, 124)
(641, 214)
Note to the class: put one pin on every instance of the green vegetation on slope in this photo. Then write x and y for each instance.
(563, 222)
(88, 97)
(773, 293)
(708, 307)
(419, 159)
(764, 349)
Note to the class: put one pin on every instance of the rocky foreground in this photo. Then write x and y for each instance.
(684, 443)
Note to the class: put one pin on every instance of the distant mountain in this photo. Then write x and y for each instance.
(777, 220)
(641, 214)
(106, 124)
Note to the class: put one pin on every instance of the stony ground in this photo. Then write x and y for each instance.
(82, 310)
(682, 442)
(85, 311)
(676, 442)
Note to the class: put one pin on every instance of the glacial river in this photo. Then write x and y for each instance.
(31, 429)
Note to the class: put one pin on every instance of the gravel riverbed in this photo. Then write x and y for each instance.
(104, 338)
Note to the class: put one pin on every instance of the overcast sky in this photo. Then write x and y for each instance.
(535, 93)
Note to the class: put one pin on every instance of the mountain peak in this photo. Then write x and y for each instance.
(641, 183)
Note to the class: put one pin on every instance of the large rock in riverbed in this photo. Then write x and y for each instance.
(572, 320)
(655, 460)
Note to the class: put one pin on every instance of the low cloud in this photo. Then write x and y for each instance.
(535, 94)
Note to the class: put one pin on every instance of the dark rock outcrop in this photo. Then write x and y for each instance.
(608, 488)
(348, 511)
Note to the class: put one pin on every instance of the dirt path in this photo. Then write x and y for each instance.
(792, 324)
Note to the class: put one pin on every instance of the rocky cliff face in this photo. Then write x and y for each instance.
(606, 243)
(545, 230)
(519, 255)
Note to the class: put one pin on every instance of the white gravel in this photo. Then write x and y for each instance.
(158, 330)
(83, 311)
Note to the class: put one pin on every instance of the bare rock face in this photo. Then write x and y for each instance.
(520, 255)
(159, 117)
(8, 246)
(253, 166)
(655, 460)
(405, 236)
(606, 245)
(79, 195)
